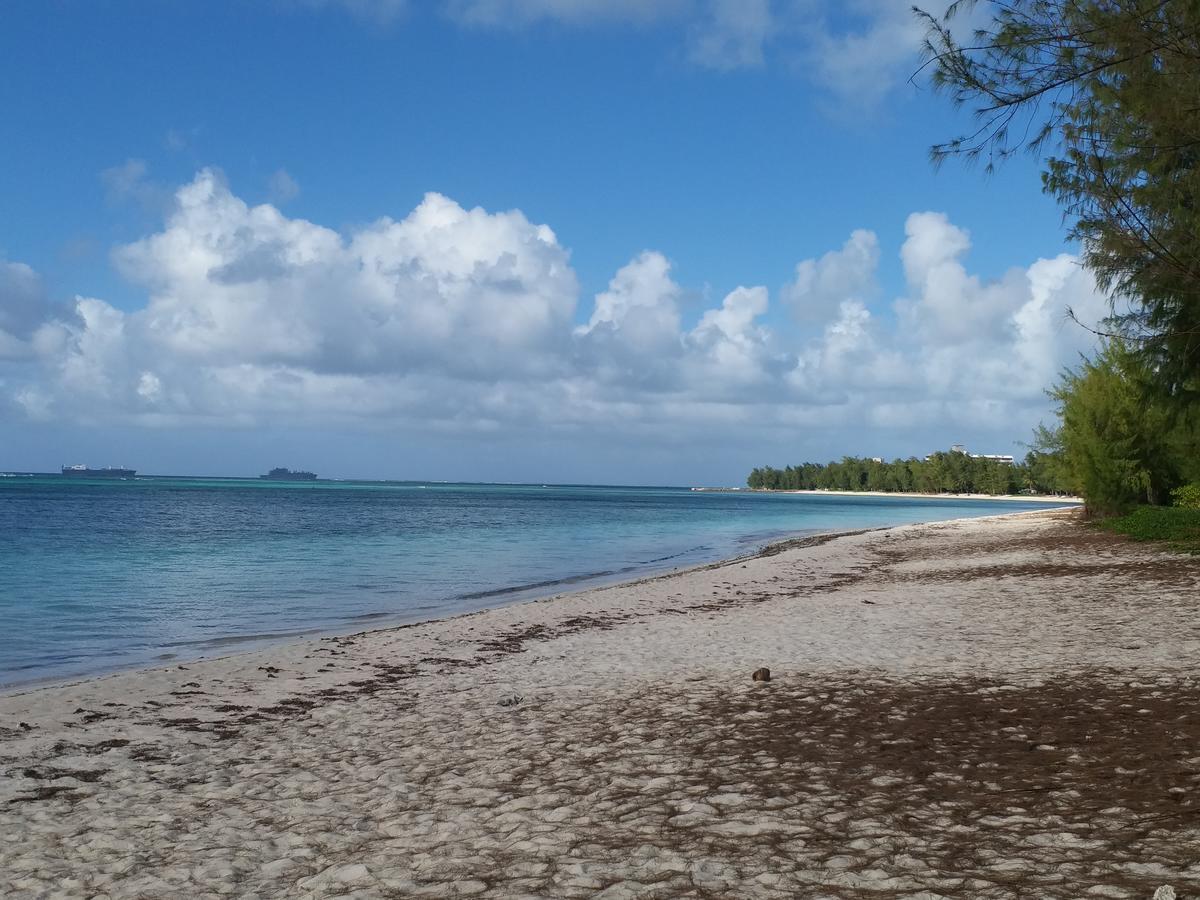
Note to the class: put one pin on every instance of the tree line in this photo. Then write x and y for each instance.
(1107, 94)
(942, 472)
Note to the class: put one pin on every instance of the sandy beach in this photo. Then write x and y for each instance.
(1001, 707)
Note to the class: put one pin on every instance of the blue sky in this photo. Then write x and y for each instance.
(733, 141)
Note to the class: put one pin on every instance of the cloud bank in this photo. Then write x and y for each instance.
(463, 320)
(855, 51)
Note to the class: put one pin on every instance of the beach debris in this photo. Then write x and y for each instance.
(869, 602)
(25, 726)
(1166, 892)
(90, 715)
(513, 700)
(763, 674)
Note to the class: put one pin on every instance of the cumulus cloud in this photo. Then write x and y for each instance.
(822, 285)
(1009, 336)
(950, 304)
(734, 351)
(638, 316)
(465, 320)
(28, 318)
(22, 304)
(447, 289)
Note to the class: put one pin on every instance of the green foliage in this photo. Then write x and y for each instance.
(940, 473)
(1180, 528)
(1119, 443)
(1108, 91)
(1188, 496)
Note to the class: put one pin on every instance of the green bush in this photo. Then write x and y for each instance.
(1188, 496)
(1179, 528)
(1122, 442)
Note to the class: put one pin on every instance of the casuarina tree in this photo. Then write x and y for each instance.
(1107, 93)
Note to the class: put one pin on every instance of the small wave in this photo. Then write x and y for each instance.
(366, 617)
(659, 559)
(761, 537)
(229, 640)
(535, 585)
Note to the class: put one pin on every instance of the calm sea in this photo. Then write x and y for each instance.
(101, 575)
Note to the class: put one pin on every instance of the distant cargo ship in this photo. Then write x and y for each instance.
(106, 472)
(288, 475)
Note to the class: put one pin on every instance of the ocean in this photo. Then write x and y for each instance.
(103, 575)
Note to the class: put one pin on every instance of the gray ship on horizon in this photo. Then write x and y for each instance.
(288, 475)
(106, 472)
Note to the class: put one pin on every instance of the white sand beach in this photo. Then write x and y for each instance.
(1002, 707)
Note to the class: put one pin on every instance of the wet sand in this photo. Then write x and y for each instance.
(1001, 707)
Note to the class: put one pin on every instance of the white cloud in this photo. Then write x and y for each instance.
(463, 321)
(735, 350)
(131, 181)
(732, 34)
(445, 288)
(858, 50)
(641, 304)
(721, 34)
(22, 306)
(282, 187)
(516, 13)
(1002, 340)
(633, 337)
(823, 284)
(951, 304)
(27, 315)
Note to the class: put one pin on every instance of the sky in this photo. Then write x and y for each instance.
(584, 241)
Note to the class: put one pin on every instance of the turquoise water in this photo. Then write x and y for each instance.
(100, 575)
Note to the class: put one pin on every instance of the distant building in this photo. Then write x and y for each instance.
(998, 457)
(876, 459)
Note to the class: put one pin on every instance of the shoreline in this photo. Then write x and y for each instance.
(271, 646)
(385, 623)
(521, 595)
(382, 622)
(236, 644)
(928, 682)
(1028, 498)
